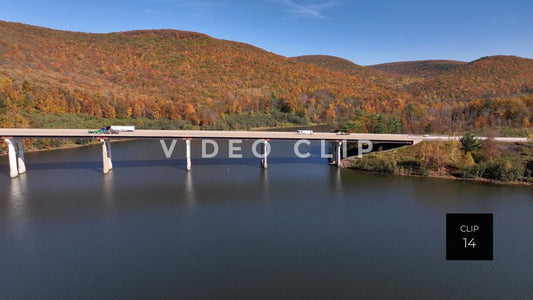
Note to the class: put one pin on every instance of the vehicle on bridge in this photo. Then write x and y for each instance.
(113, 129)
(122, 128)
(104, 130)
(305, 131)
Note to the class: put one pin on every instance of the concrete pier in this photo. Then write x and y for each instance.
(109, 155)
(264, 149)
(20, 157)
(338, 156)
(188, 153)
(13, 170)
(335, 151)
(106, 156)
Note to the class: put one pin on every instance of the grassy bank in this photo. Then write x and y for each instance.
(486, 161)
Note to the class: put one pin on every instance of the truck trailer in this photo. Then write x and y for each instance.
(113, 129)
(122, 128)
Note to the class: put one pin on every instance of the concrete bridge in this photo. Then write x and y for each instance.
(13, 137)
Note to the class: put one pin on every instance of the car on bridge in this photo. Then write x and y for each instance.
(305, 132)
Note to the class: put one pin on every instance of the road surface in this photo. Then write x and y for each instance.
(215, 134)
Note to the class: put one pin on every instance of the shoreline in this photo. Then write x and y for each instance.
(450, 178)
(346, 164)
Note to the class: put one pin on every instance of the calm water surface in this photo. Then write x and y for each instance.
(300, 229)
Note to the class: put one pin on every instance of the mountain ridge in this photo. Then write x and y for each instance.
(184, 75)
(338, 64)
(418, 68)
(164, 68)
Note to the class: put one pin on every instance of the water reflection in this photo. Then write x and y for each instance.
(18, 211)
(18, 196)
(190, 197)
(264, 185)
(336, 182)
(107, 191)
(465, 196)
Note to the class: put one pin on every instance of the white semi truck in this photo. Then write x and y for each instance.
(114, 129)
(122, 128)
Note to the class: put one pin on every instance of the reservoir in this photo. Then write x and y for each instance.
(230, 229)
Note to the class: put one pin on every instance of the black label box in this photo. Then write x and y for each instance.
(469, 237)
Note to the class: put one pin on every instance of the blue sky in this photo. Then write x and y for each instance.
(365, 32)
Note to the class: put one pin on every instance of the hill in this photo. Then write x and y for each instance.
(487, 77)
(338, 64)
(421, 68)
(169, 77)
(168, 74)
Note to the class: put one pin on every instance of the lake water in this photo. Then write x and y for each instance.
(229, 229)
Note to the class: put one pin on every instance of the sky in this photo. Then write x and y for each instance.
(365, 32)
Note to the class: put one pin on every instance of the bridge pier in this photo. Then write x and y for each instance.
(20, 156)
(13, 170)
(188, 153)
(264, 160)
(106, 155)
(15, 149)
(335, 151)
(338, 154)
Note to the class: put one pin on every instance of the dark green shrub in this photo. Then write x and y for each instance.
(413, 167)
(529, 169)
(475, 171)
(82, 141)
(375, 163)
(504, 170)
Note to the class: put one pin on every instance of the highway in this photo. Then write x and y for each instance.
(215, 134)
(203, 134)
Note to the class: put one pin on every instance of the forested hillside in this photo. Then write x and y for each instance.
(421, 68)
(177, 77)
(339, 64)
(487, 77)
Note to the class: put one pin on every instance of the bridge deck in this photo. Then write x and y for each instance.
(216, 134)
(206, 134)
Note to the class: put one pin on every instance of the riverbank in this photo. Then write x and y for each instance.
(492, 162)
(445, 177)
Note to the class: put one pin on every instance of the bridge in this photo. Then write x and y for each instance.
(13, 137)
